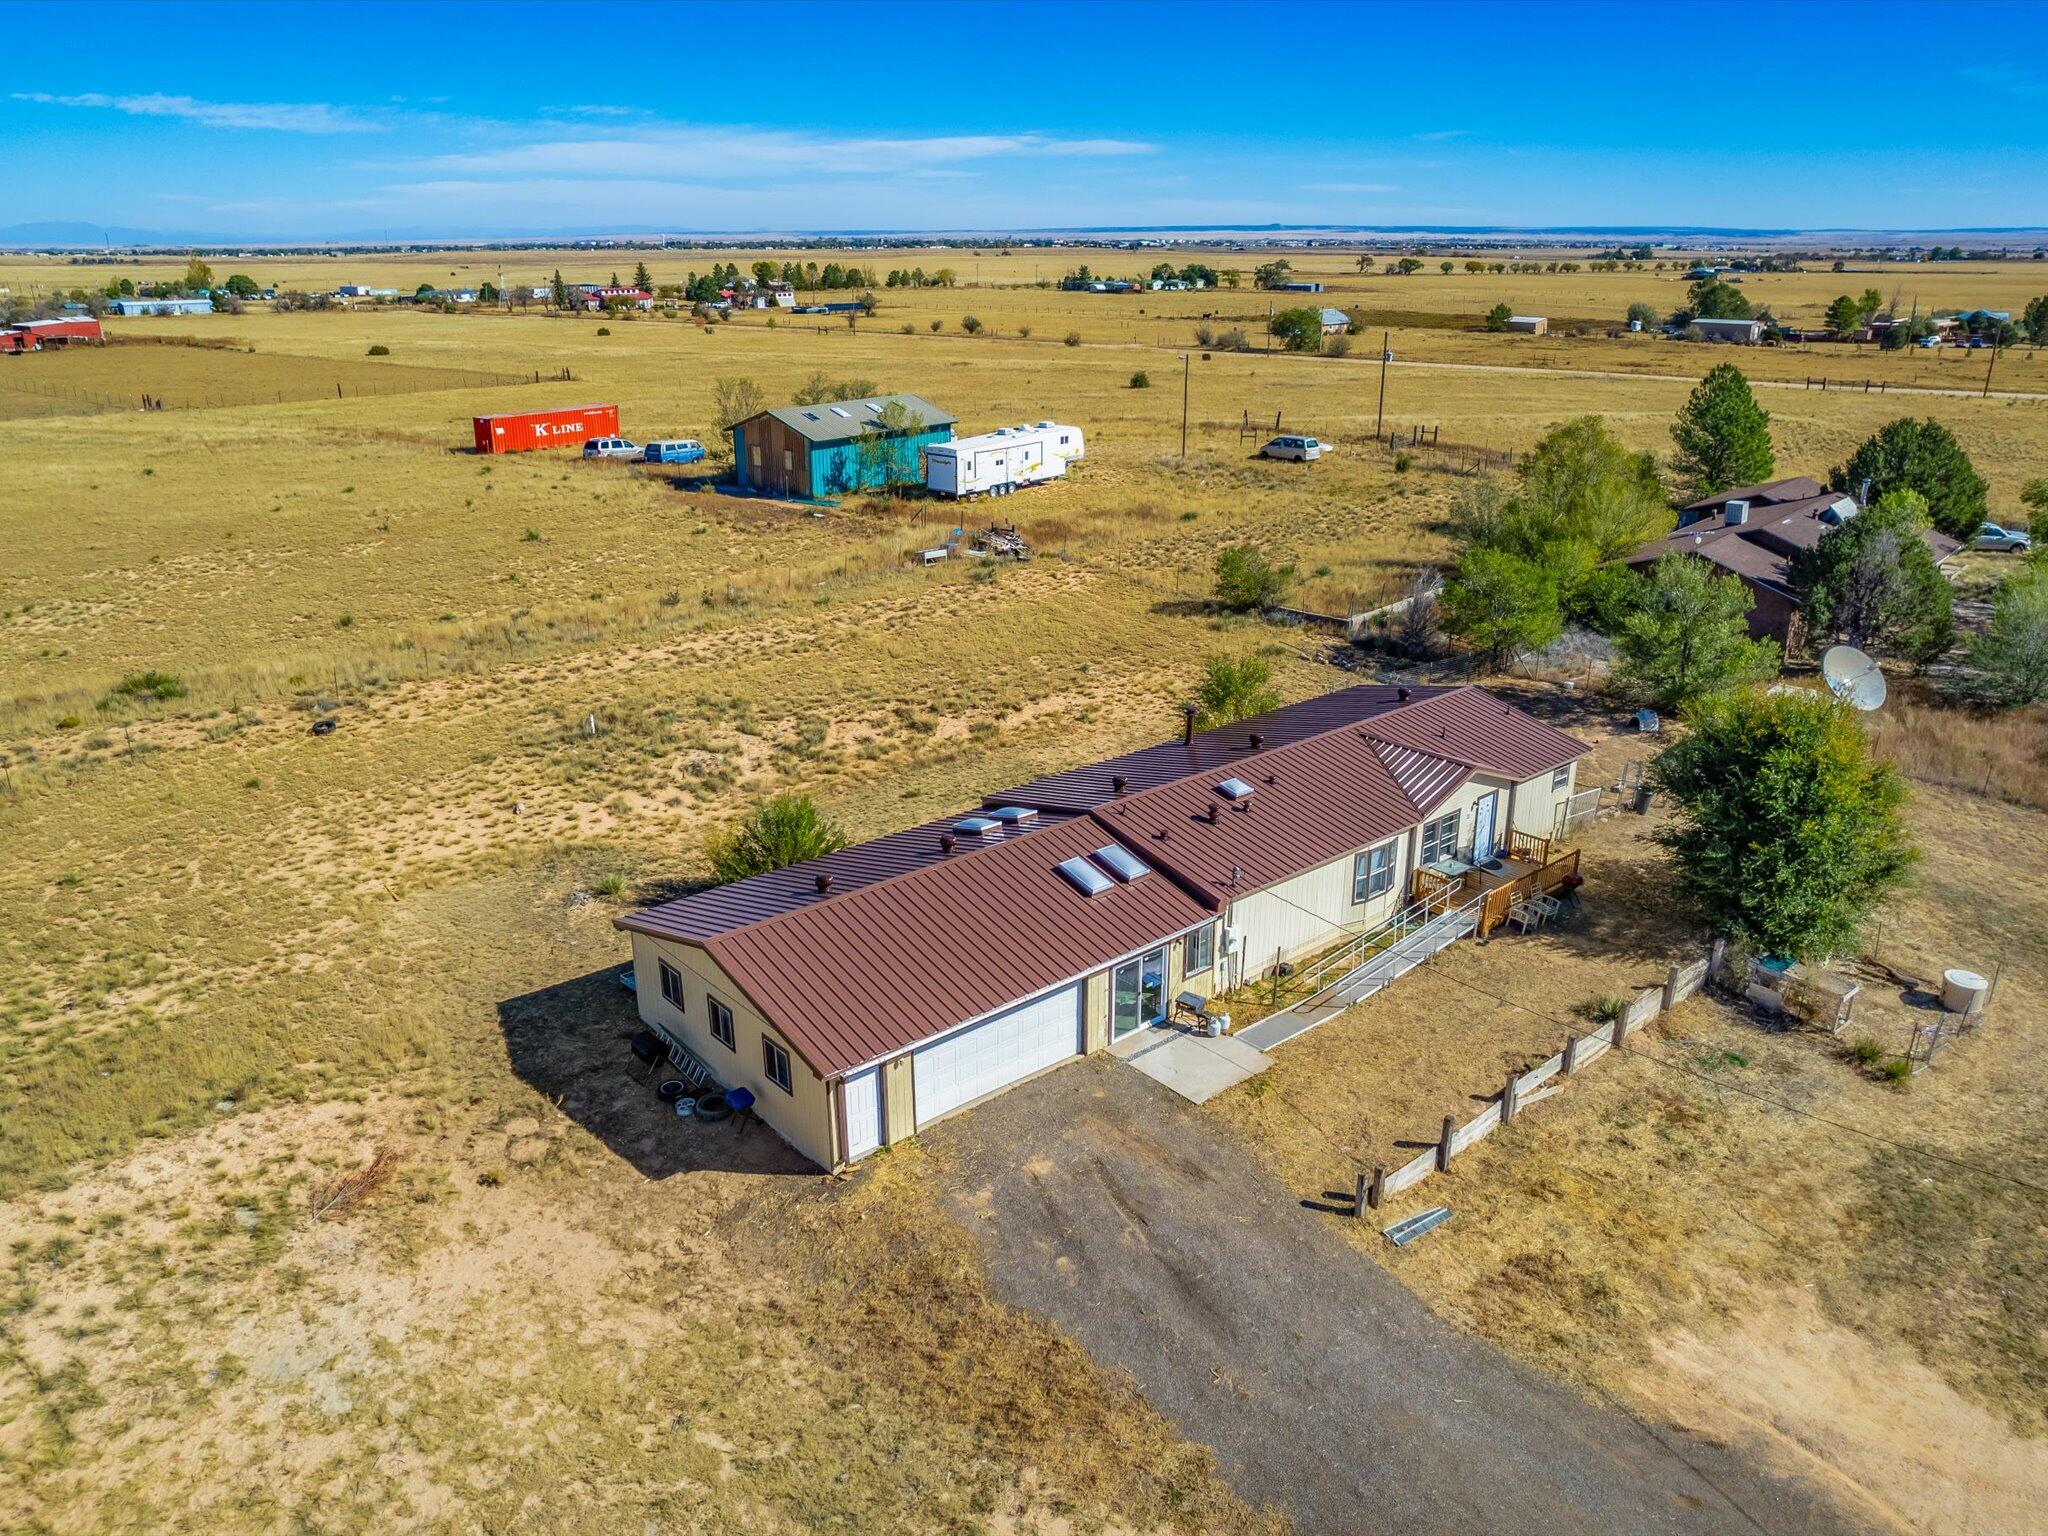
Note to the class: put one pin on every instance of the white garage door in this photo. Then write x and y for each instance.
(996, 1052)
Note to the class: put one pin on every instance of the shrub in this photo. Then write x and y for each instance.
(1898, 1071)
(1497, 318)
(611, 887)
(1247, 580)
(380, 350)
(1023, 333)
(1234, 690)
(150, 687)
(1141, 380)
(1073, 338)
(1866, 1052)
(1403, 462)
(1204, 335)
(971, 324)
(604, 330)
(782, 830)
(938, 325)
(1605, 1008)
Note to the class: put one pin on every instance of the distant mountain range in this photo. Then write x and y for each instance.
(72, 235)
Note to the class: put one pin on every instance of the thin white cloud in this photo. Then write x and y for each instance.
(734, 151)
(1353, 186)
(1438, 135)
(272, 116)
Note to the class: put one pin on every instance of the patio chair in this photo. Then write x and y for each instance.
(1525, 913)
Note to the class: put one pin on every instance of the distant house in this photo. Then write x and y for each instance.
(181, 306)
(1301, 287)
(604, 296)
(1755, 532)
(1335, 322)
(773, 296)
(813, 452)
(1530, 325)
(359, 291)
(1743, 333)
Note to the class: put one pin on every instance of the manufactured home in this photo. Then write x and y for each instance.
(996, 463)
(863, 995)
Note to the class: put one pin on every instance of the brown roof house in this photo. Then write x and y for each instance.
(1755, 532)
(867, 993)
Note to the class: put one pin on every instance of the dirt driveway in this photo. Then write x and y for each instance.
(1325, 1387)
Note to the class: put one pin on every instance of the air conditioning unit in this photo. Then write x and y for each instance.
(1233, 940)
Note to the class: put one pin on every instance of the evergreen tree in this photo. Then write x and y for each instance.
(1873, 582)
(1723, 435)
(1920, 456)
(2009, 661)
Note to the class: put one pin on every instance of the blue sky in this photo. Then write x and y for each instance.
(309, 121)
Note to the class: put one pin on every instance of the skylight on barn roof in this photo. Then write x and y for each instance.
(840, 410)
(1121, 862)
(1234, 789)
(1083, 876)
(975, 826)
(1014, 815)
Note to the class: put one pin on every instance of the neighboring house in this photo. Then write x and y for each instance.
(599, 296)
(191, 306)
(1755, 532)
(774, 296)
(362, 291)
(1301, 287)
(813, 452)
(865, 994)
(1530, 325)
(1744, 333)
(1335, 322)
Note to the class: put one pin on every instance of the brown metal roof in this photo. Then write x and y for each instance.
(1792, 488)
(1761, 550)
(864, 975)
(908, 941)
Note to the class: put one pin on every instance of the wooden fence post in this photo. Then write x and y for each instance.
(1365, 1198)
(1376, 1191)
(1571, 1053)
(1508, 1095)
(1671, 988)
(1443, 1148)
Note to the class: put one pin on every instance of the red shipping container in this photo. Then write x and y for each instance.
(47, 331)
(565, 428)
(15, 341)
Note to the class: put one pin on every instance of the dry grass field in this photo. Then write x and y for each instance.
(236, 958)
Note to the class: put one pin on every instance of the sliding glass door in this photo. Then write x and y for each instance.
(1137, 994)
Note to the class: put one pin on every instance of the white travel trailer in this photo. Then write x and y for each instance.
(996, 463)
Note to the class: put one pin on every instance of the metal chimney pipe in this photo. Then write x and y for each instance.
(1258, 741)
(1187, 735)
(1118, 783)
(945, 842)
(824, 883)
(1401, 695)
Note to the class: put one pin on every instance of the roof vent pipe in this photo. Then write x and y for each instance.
(946, 842)
(1258, 741)
(1401, 694)
(1187, 735)
(1118, 783)
(824, 883)
(1214, 808)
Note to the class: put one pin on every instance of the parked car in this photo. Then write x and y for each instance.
(611, 448)
(1991, 536)
(1306, 449)
(676, 450)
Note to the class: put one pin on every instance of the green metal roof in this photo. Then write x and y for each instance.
(832, 421)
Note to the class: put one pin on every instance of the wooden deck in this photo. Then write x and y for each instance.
(1529, 865)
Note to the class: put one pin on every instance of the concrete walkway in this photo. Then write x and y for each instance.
(1379, 971)
(1327, 1389)
(1195, 1066)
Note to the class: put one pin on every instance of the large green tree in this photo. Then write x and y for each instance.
(1580, 483)
(1712, 299)
(1873, 583)
(1299, 330)
(1234, 689)
(782, 830)
(1921, 456)
(1723, 435)
(1786, 833)
(1686, 635)
(1502, 604)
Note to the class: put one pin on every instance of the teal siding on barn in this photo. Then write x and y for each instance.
(836, 468)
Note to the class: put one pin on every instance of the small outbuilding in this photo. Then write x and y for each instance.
(1741, 333)
(201, 305)
(1335, 322)
(835, 447)
(1529, 325)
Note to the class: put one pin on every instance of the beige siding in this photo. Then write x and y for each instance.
(1310, 912)
(1536, 802)
(1095, 1012)
(805, 1115)
(899, 1108)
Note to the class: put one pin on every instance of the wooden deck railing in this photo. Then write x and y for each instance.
(1546, 877)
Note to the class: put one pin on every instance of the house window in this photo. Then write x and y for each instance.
(1562, 779)
(1440, 838)
(721, 1021)
(1198, 949)
(775, 1062)
(755, 453)
(671, 984)
(1372, 873)
(786, 461)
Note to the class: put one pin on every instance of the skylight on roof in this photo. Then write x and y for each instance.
(1083, 876)
(975, 826)
(873, 405)
(1014, 815)
(1234, 789)
(1121, 862)
(840, 410)
(810, 415)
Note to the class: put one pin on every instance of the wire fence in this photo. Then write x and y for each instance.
(74, 399)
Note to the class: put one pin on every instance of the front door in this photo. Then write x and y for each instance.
(1482, 828)
(1137, 994)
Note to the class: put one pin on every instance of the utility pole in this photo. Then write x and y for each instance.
(1987, 373)
(1386, 356)
(1187, 368)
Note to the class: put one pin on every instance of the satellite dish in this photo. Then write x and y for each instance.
(1852, 677)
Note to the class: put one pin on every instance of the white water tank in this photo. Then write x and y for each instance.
(1963, 991)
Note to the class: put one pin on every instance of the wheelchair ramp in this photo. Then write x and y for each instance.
(1374, 974)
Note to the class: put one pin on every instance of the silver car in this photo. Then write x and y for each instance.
(611, 448)
(1306, 449)
(1991, 536)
